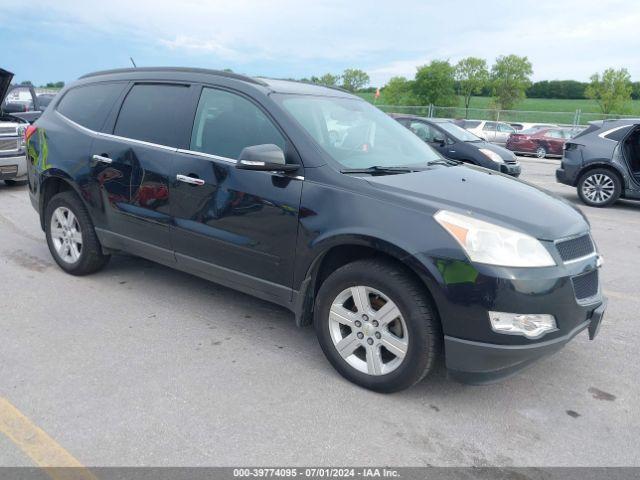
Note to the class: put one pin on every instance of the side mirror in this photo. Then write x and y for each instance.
(267, 157)
(440, 141)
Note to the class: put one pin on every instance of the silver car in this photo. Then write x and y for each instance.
(494, 132)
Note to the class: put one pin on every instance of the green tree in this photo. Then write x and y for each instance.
(26, 82)
(435, 84)
(399, 91)
(354, 79)
(612, 90)
(635, 91)
(510, 79)
(327, 79)
(472, 75)
(54, 85)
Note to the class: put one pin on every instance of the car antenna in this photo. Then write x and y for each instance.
(134, 63)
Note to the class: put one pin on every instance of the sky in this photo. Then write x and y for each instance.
(45, 41)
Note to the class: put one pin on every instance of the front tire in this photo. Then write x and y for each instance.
(376, 325)
(599, 187)
(71, 237)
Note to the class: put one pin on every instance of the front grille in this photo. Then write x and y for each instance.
(7, 130)
(8, 171)
(8, 145)
(575, 248)
(586, 286)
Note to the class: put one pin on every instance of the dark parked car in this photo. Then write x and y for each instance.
(45, 99)
(456, 143)
(395, 254)
(603, 162)
(21, 101)
(541, 142)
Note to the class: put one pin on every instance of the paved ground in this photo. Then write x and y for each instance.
(142, 365)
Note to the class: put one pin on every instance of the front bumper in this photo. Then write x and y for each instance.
(480, 363)
(13, 167)
(465, 293)
(513, 169)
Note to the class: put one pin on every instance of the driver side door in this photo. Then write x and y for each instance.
(236, 227)
(427, 133)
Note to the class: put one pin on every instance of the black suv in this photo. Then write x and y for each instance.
(603, 162)
(392, 252)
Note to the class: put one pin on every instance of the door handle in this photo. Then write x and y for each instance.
(101, 159)
(190, 180)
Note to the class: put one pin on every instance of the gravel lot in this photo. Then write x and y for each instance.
(143, 365)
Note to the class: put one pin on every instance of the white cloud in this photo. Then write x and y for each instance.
(569, 39)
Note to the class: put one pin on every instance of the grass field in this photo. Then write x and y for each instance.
(590, 109)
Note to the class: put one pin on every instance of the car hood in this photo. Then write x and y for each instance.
(5, 82)
(503, 152)
(489, 196)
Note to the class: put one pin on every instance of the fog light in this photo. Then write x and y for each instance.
(529, 325)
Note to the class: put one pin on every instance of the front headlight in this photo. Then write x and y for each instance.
(493, 156)
(20, 132)
(484, 242)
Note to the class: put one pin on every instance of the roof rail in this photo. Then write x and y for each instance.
(307, 82)
(219, 73)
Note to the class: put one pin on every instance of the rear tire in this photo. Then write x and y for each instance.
(71, 237)
(599, 187)
(382, 321)
(541, 152)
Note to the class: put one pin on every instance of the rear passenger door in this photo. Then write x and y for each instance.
(133, 163)
(236, 227)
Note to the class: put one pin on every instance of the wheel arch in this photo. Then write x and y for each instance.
(603, 165)
(339, 251)
(53, 182)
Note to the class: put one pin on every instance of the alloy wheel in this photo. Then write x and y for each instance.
(66, 235)
(598, 188)
(541, 152)
(368, 330)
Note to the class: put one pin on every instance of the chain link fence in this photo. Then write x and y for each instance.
(575, 118)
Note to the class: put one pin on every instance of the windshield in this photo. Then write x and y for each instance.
(356, 134)
(458, 132)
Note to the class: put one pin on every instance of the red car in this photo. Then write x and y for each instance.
(539, 142)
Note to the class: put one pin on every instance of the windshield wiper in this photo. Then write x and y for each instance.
(444, 161)
(380, 170)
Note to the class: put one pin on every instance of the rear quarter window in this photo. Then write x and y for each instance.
(618, 134)
(89, 105)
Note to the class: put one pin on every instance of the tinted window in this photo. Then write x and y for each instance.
(426, 132)
(226, 123)
(619, 134)
(90, 105)
(152, 113)
(503, 127)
